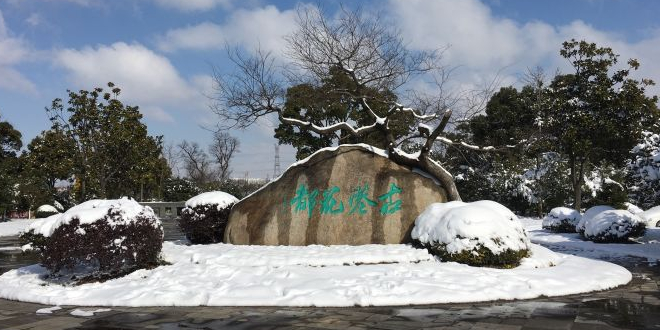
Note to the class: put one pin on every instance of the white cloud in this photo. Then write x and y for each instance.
(13, 80)
(84, 3)
(157, 114)
(34, 19)
(13, 51)
(143, 75)
(194, 5)
(483, 44)
(261, 27)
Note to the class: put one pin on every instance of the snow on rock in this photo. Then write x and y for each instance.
(467, 226)
(590, 213)
(613, 225)
(199, 275)
(220, 198)
(562, 219)
(47, 208)
(92, 211)
(651, 216)
(14, 227)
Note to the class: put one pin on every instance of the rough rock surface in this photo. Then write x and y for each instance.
(345, 195)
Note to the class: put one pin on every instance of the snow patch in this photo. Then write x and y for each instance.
(222, 199)
(14, 227)
(84, 312)
(48, 310)
(213, 280)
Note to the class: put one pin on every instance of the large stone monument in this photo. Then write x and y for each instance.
(346, 195)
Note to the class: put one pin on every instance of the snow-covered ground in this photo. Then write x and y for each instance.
(228, 275)
(232, 275)
(573, 244)
(13, 227)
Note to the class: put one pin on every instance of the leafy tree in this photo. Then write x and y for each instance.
(113, 153)
(328, 104)
(373, 57)
(594, 113)
(10, 144)
(47, 160)
(177, 189)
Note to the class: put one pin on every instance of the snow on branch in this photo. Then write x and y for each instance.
(447, 141)
(332, 128)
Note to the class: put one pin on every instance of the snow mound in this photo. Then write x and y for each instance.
(93, 211)
(614, 226)
(47, 208)
(632, 208)
(561, 219)
(464, 226)
(210, 280)
(651, 216)
(590, 213)
(220, 198)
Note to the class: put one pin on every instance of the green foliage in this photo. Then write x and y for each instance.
(329, 103)
(204, 224)
(100, 250)
(178, 189)
(10, 144)
(113, 154)
(48, 159)
(595, 113)
(479, 257)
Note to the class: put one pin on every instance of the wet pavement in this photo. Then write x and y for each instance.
(633, 306)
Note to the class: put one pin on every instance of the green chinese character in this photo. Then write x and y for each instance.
(359, 198)
(328, 203)
(304, 200)
(389, 206)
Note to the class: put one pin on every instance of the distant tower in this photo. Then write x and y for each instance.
(277, 170)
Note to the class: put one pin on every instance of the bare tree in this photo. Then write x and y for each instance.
(172, 155)
(371, 54)
(196, 163)
(222, 150)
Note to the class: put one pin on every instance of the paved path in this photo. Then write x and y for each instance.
(634, 306)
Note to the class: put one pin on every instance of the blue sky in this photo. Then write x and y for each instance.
(160, 52)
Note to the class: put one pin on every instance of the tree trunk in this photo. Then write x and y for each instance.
(429, 166)
(577, 176)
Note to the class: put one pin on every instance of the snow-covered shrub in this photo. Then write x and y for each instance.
(613, 226)
(44, 211)
(482, 233)
(98, 239)
(205, 216)
(651, 216)
(561, 220)
(590, 213)
(644, 171)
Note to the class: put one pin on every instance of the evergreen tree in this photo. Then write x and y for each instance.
(328, 104)
(643, 177)
(10, 144)
(113, 153)
(596, 114)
